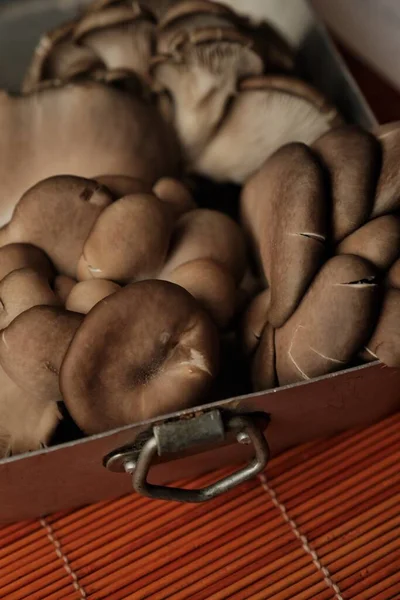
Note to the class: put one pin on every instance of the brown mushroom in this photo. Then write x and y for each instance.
(20, 256)
(263, 370)
(284, 209)
(268, 112)
(152, 351)
(352, 157)
(175, 194)
(207, 234)
(384, 345)
(33, 347)
(211, 284)
(57, 215)
(377, 241)
(387, 197)
(83, 128)
(332, 323)
(129, 240)
(86, 294)
(26, 422)
(254, 321)
(393, 276)
(22, 289)
(63, 286)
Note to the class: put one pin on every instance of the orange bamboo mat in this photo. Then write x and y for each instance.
(323, 523)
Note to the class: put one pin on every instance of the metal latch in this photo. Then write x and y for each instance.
(177, 436)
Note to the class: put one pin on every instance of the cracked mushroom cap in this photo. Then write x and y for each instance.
(268, 112)
(334, 320)
(21, 256)
(387, 198)
(22, 289)
(128, 241)
(207, 234)
(384, 345)
(352, 158)
(152, 351)
(26, 422)
(377, 241)
(57, 215)
(86, 294)
(211, 284)
(284, 210)
(83, 128)
(33, 347)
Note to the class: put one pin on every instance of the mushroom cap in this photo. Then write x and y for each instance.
(57, 215)
(33, 347)
(377, 241)
(211, 284)
(384, 345)
(175, 194)
(284, 209)
(254, 320)
(332, 323)
(22, 289)
(201, 76)
(123, 185)
(352, 157)
(89, 127)
(387, 198)
(20, 256)
(152, 351)
(207, 234)
(263, 372)
(86, 294)
(62, 286)
(129, 240)
(26, 422)
(263, 117)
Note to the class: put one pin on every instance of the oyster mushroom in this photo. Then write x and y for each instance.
(83, 128)
(284, 209)
(20, 256)
(86, 294)
(152, 350)
(384, 345)
(377, 241)
(207, 234)
(57, 215)
(211, 284)
(387, 197)
(26, 422)
(33, 347)
(352, 157)
(22, 289)
(128, 241)
(334, 320)
(267, 112)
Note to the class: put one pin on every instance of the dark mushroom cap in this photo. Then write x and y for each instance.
(352, 157)
(384, 345)
(57, 215)
(144, 351)
(22, 289)
(20, 256)
(377, 241)
(284, 209)
(33, 347)
(129, 240)
(332, 323)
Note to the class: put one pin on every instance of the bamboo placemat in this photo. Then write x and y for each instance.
(323, 523)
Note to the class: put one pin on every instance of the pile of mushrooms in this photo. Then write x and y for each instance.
(325, 227)
(122, 284)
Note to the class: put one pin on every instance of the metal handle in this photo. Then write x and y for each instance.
(176, 436)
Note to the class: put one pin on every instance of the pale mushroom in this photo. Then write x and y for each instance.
(86, 294)
(152, 351)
